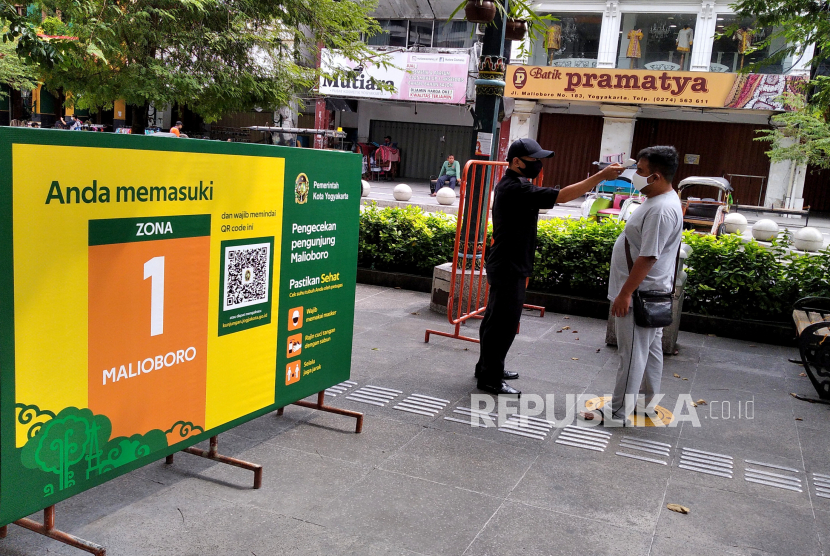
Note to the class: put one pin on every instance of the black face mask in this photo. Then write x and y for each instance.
(531, 169)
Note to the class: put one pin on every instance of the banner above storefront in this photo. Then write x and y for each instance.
(699, 89)
(417, 77)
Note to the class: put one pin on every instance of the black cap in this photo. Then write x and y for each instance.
(527, 147)
(178, 123)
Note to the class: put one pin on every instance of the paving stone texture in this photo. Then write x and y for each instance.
(428, 482)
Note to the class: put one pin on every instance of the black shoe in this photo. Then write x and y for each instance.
(498, 389)
(508, 375)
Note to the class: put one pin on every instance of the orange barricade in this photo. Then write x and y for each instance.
(468, 284)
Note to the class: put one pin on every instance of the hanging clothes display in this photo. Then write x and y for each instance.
(685, 39)
(553, 37)
(744, 35)
(634, 38)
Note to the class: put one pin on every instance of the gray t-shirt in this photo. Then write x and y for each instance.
(655, 229)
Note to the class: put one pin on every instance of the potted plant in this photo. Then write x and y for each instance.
(480, 11)
(516, 29)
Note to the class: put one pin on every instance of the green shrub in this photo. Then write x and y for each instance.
(405, 239)
(726, 277)
(574, 256)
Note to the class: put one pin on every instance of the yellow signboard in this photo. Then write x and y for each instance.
(700, 89)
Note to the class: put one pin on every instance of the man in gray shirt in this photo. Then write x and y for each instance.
(654, 232)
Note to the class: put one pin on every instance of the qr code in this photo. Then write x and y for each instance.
(246, 275)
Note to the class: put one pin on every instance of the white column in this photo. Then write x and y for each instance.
(704, 37)
(785, 186)
(618, 130)
(609, 37)
(524, 123)
(802, 66)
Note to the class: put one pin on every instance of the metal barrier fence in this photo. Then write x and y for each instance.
(468, 280)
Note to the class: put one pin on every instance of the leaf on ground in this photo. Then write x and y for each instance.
(684, 378)
(799, 419)
(375, 349)
(678, 508)
(694, 404)
(803, 374)
(576, 331)
(567, 317)
(575, 358)
(566, 328)
(712, 335)
(676, 375)
(701, 401)
(416, 313)
(598, 350)
(559, 332)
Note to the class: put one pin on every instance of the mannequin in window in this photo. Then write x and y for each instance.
(553, 40)
(744, 36)
(634, 52)
(684, 43)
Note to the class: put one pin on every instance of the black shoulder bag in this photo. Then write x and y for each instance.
(652, 309)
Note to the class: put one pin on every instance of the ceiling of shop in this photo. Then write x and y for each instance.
(417, 9)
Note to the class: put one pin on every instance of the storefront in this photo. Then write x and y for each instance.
(606, 80)
(426, 114)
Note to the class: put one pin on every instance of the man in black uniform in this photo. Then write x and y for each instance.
(510, 257)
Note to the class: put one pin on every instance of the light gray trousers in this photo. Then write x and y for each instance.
(641, 365)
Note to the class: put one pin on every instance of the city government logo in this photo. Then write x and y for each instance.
(301, 189)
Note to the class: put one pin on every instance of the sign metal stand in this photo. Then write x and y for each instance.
(47, 528)
(321, 406)
(213, 453)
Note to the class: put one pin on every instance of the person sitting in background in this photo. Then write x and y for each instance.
(177, 129)
(450, 171)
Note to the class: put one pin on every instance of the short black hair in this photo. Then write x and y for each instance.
(663, 159)
(388, 137)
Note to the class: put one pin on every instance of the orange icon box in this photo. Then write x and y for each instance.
(295, 345)
(292, 372)
(295, 318)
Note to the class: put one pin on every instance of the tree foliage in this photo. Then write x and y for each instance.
(801, 135)
(214, 56)
(14, 71)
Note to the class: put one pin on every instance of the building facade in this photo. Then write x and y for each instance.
(636, 56)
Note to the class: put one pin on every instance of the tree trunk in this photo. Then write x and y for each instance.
(141, 114)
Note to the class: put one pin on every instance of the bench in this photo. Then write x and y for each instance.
(811, 318)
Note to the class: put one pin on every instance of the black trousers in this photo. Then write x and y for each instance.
(499, 326)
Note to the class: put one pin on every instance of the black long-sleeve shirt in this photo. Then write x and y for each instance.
(515, 216)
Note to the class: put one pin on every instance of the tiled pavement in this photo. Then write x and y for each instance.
(419, 483)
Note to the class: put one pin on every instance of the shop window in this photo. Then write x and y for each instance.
(420, 34)
(733, 50)
(393, 33)
(656, 41)
(453, 34)
(570, 41)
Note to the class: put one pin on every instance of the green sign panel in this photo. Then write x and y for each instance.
(155, 292)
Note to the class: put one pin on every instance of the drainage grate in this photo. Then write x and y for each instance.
(341, 388)
(422, 405)
(519, 425)
(529, 427)
(647, 446)
(583, 437)
(822, 485)
(374, 395)
(474, 417)
(775, 479)
(708, 463)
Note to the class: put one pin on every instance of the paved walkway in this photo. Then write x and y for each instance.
(429, 483)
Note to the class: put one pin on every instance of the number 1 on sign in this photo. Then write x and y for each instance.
(154, 268)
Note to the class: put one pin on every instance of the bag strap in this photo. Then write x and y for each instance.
(630, 262)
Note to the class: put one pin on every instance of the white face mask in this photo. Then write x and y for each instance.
(640, 182)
